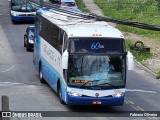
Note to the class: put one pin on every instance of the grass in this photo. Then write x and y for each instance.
(81, 6)
(145, 11)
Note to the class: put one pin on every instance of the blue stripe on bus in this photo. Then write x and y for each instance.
(51, 75)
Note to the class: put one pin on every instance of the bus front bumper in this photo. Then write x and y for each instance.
(22, 18)
(100, 101)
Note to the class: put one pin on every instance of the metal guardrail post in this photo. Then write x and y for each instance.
(5, 106)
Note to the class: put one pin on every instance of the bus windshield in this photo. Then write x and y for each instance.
(23, 6)
(106, 71)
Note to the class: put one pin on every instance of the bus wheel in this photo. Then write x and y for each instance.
(41, 74)
(60, 94)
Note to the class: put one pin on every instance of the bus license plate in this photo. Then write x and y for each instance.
(96, 102)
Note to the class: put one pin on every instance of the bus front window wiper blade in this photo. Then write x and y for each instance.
(90, 81)
(107, 84)
(99, 84)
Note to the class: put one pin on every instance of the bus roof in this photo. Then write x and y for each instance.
(78, 27)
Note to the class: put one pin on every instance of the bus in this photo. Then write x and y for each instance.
(84, 61)
(23, 10)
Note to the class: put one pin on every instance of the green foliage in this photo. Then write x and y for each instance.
(148, 33)
(145, 11)
(81, 5)
(158, 4)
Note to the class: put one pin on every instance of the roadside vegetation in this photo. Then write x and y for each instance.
(145, 11)
(81, 6)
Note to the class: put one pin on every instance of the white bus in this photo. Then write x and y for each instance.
(84, 61)
(23, 10)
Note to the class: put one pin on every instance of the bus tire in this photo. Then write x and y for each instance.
(42, 80)
(60, 94)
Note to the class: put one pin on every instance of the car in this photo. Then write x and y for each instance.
(68, 3)
(65, 3)
(29, 38)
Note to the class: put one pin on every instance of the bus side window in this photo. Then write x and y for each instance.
(60, 40)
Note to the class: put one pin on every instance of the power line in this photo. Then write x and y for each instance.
(82, 15)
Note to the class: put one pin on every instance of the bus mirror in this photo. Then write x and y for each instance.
(130, 61)
(65, 56)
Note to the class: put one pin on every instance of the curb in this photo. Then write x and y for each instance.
(146, 69)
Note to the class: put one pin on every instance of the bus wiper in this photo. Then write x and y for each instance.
(89, 82)
(107, 84)
(99, 84)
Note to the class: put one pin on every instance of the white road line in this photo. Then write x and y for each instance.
(140, 108)
(9, 69)
(138, 90)
(126, 102)
(131, 102)
(11, 83)
(4, 14)
(134, 108)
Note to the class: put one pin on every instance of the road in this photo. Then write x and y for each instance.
(19, 80)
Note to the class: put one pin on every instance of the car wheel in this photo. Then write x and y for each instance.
(42, 80)
(60, 95)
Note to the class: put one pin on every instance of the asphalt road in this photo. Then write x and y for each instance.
(19, 81)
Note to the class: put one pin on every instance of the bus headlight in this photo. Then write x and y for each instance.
(74, 93)
(118, 93)
(31, 41)
(14, 14)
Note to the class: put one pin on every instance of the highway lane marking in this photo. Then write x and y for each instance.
(9, 69)
(4, 14)
(134, 108)
(140, 108)
(126, 102)
(11, 83)
(138, 90)
(131, 102)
